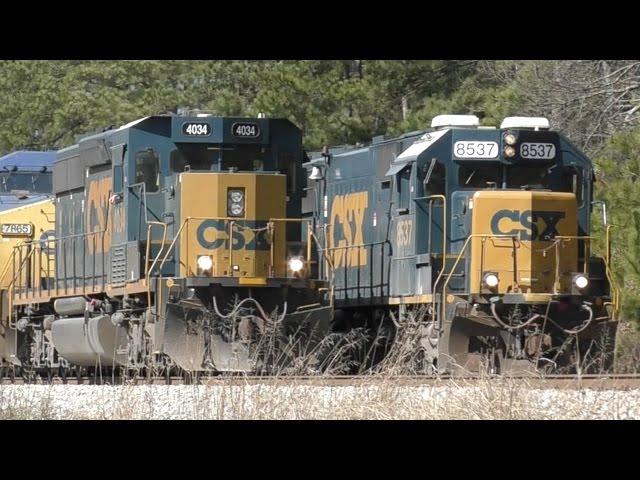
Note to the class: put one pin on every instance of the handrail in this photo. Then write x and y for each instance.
(444, 217)
(270, 225)
(615, 297)
(331, 270)
(11, 286)
(455, 265)
(148, 248)
(587, 247)
(5, 270)
(63, 241)
(148, 270)
(362, 245)
(232, 222)
(325, 251)
(444, 239)
(558, 239)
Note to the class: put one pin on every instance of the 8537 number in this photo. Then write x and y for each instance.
(472, 149)
(542, 151)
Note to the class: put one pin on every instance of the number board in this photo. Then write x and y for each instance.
(540, 151)
(17, 229)
(196, 129)
(475, 149)
(245, 130)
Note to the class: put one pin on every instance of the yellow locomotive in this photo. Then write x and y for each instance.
(26, 217)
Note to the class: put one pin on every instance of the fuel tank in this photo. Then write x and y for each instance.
(90, 343)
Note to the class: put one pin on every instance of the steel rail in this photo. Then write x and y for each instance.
(595, 381)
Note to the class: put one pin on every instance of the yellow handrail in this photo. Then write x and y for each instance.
(232, 221)
(444, 242)
(5, 270)
(455, 264)
(148, 270)
(615, 290)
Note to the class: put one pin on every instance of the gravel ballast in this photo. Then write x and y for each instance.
(489, 400)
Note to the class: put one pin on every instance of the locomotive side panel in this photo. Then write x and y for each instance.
(355, 213)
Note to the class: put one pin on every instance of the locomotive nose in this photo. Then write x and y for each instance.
(526, 238)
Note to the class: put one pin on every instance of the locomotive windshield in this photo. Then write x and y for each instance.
(538, 177)
(533, 176)
(35, 182)
(479, 176)
(215, 157)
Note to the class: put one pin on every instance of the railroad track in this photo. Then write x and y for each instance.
(596, 382)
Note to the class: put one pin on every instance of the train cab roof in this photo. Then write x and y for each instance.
(22, 180)
(28, 161)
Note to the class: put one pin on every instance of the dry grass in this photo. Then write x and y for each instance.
(628, 349)
(383, 397)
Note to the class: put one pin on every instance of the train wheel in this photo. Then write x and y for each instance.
(468, 348)
(29, 375)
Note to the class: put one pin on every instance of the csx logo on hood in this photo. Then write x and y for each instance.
(503, 219)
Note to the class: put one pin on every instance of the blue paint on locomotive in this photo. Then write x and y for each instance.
(25, 178)
(402, 231)
(129, 176)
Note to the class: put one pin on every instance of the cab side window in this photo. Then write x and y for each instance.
(148, 170)
(434, 182)
(573, 181)
(403, 185)
(287, 165)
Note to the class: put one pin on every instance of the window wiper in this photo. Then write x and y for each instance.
(470, 177)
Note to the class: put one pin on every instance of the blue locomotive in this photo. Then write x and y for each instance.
(477, 236)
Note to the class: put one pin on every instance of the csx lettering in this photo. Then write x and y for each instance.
(527, 219)
(403, 233)
(244, 235)
(347, 220)
(96, 214)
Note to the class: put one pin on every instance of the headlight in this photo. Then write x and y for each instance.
(581, 281)
(509, 151)
(490, 280)
(235, 202)
(296, 264)
(205, 262)
(510, 139)
(235, 209)
(236, 196)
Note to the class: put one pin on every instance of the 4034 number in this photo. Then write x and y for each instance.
(196, 129)
(245, 130)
